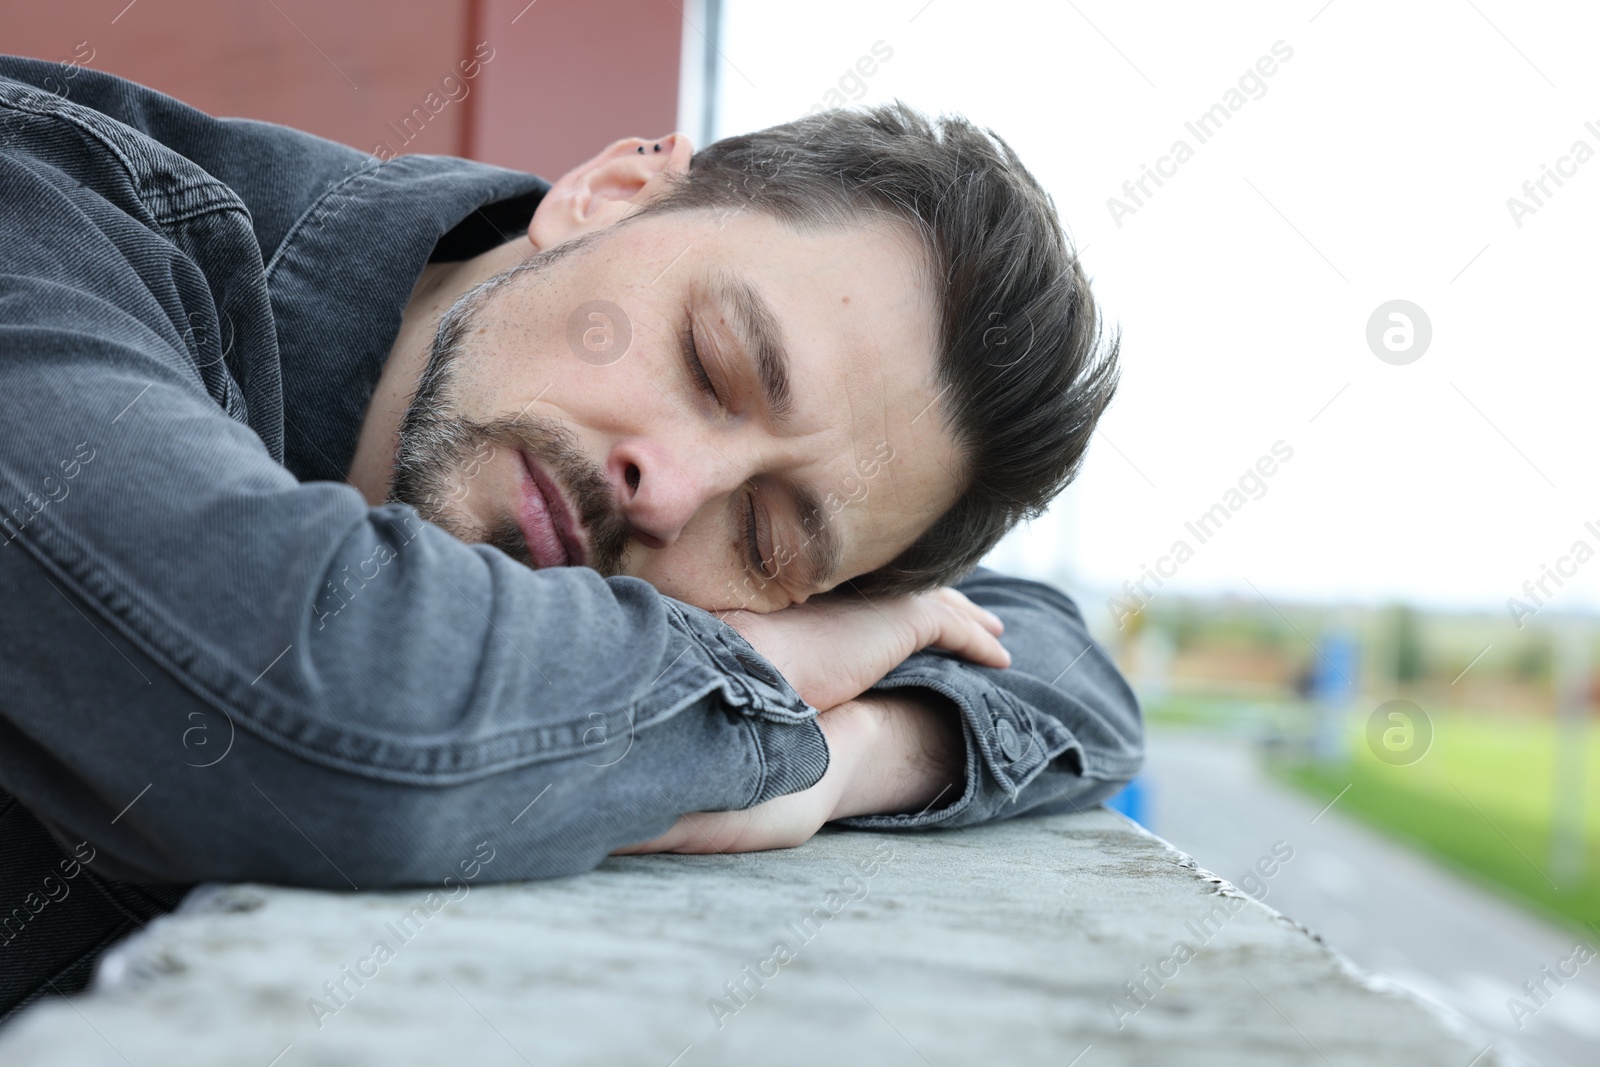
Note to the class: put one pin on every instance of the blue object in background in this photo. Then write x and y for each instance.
(1333, 672)
(1333, 689)
(1130, 801)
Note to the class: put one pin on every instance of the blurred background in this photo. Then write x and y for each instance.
(1341, 526)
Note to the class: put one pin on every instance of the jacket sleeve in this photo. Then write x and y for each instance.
(214, 671)
(1059, 730)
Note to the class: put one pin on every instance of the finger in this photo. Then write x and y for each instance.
(665, 843)
(640, 849)
(696, 834)
(959, 600)
(969, 640)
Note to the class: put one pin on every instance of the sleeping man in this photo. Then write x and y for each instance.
(360, 515)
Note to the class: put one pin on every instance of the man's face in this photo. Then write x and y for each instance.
(563, 418)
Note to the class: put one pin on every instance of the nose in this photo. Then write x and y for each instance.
(660, 488)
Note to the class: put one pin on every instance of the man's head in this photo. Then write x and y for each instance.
(900, 355)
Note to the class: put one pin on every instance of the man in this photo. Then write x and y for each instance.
(359, 513)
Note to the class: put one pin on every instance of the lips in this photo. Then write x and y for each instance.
(554, 538)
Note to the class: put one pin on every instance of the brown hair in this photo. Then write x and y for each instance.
(1024, 372)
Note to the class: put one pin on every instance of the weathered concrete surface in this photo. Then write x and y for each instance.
(1004, 944)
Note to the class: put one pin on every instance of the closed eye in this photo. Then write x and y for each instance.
(752, 538)
(691, 359)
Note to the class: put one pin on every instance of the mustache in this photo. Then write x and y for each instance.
(436, 445)
(439, 446)
(582, 480)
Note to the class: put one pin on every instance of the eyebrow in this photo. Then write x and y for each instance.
(759, 331)
(761, 335)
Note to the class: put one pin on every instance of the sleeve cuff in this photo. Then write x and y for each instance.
(789, 744)
(794, 757)
(1005, 750)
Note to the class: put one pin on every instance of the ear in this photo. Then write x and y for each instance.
(612, 185)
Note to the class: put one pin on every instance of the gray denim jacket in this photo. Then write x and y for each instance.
(220, 663)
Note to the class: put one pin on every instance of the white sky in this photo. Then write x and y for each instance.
(1376, 167)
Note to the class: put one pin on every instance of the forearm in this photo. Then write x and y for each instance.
(1059, 729)
(945, 742)
(888, 753)
(903, 752)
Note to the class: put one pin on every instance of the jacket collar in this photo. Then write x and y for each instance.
(340, 281)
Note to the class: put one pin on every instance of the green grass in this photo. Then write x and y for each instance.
(1482, 800)
(1219, 714)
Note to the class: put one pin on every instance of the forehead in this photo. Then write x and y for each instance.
(855, 308)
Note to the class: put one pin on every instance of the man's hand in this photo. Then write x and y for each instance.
(833, 648)
(888, 753)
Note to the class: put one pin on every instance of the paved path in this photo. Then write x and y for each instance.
(1388, 909)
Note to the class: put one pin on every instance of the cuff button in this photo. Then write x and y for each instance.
(1011, 742)
(758, 668)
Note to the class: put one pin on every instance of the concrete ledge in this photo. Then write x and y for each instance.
(1006, 944)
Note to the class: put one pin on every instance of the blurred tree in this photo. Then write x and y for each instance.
(1186, 625)
(1406, 644)
(1534, 659)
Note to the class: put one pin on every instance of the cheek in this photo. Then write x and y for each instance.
(696, 572)
(682, 571)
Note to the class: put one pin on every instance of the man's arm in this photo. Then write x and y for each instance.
(887, 752)
(942, 742)
(1058, 730)
(215, 671)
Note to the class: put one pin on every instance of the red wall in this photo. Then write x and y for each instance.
(578, 74)
(563, 77)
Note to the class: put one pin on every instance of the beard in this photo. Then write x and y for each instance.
(440, 451)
